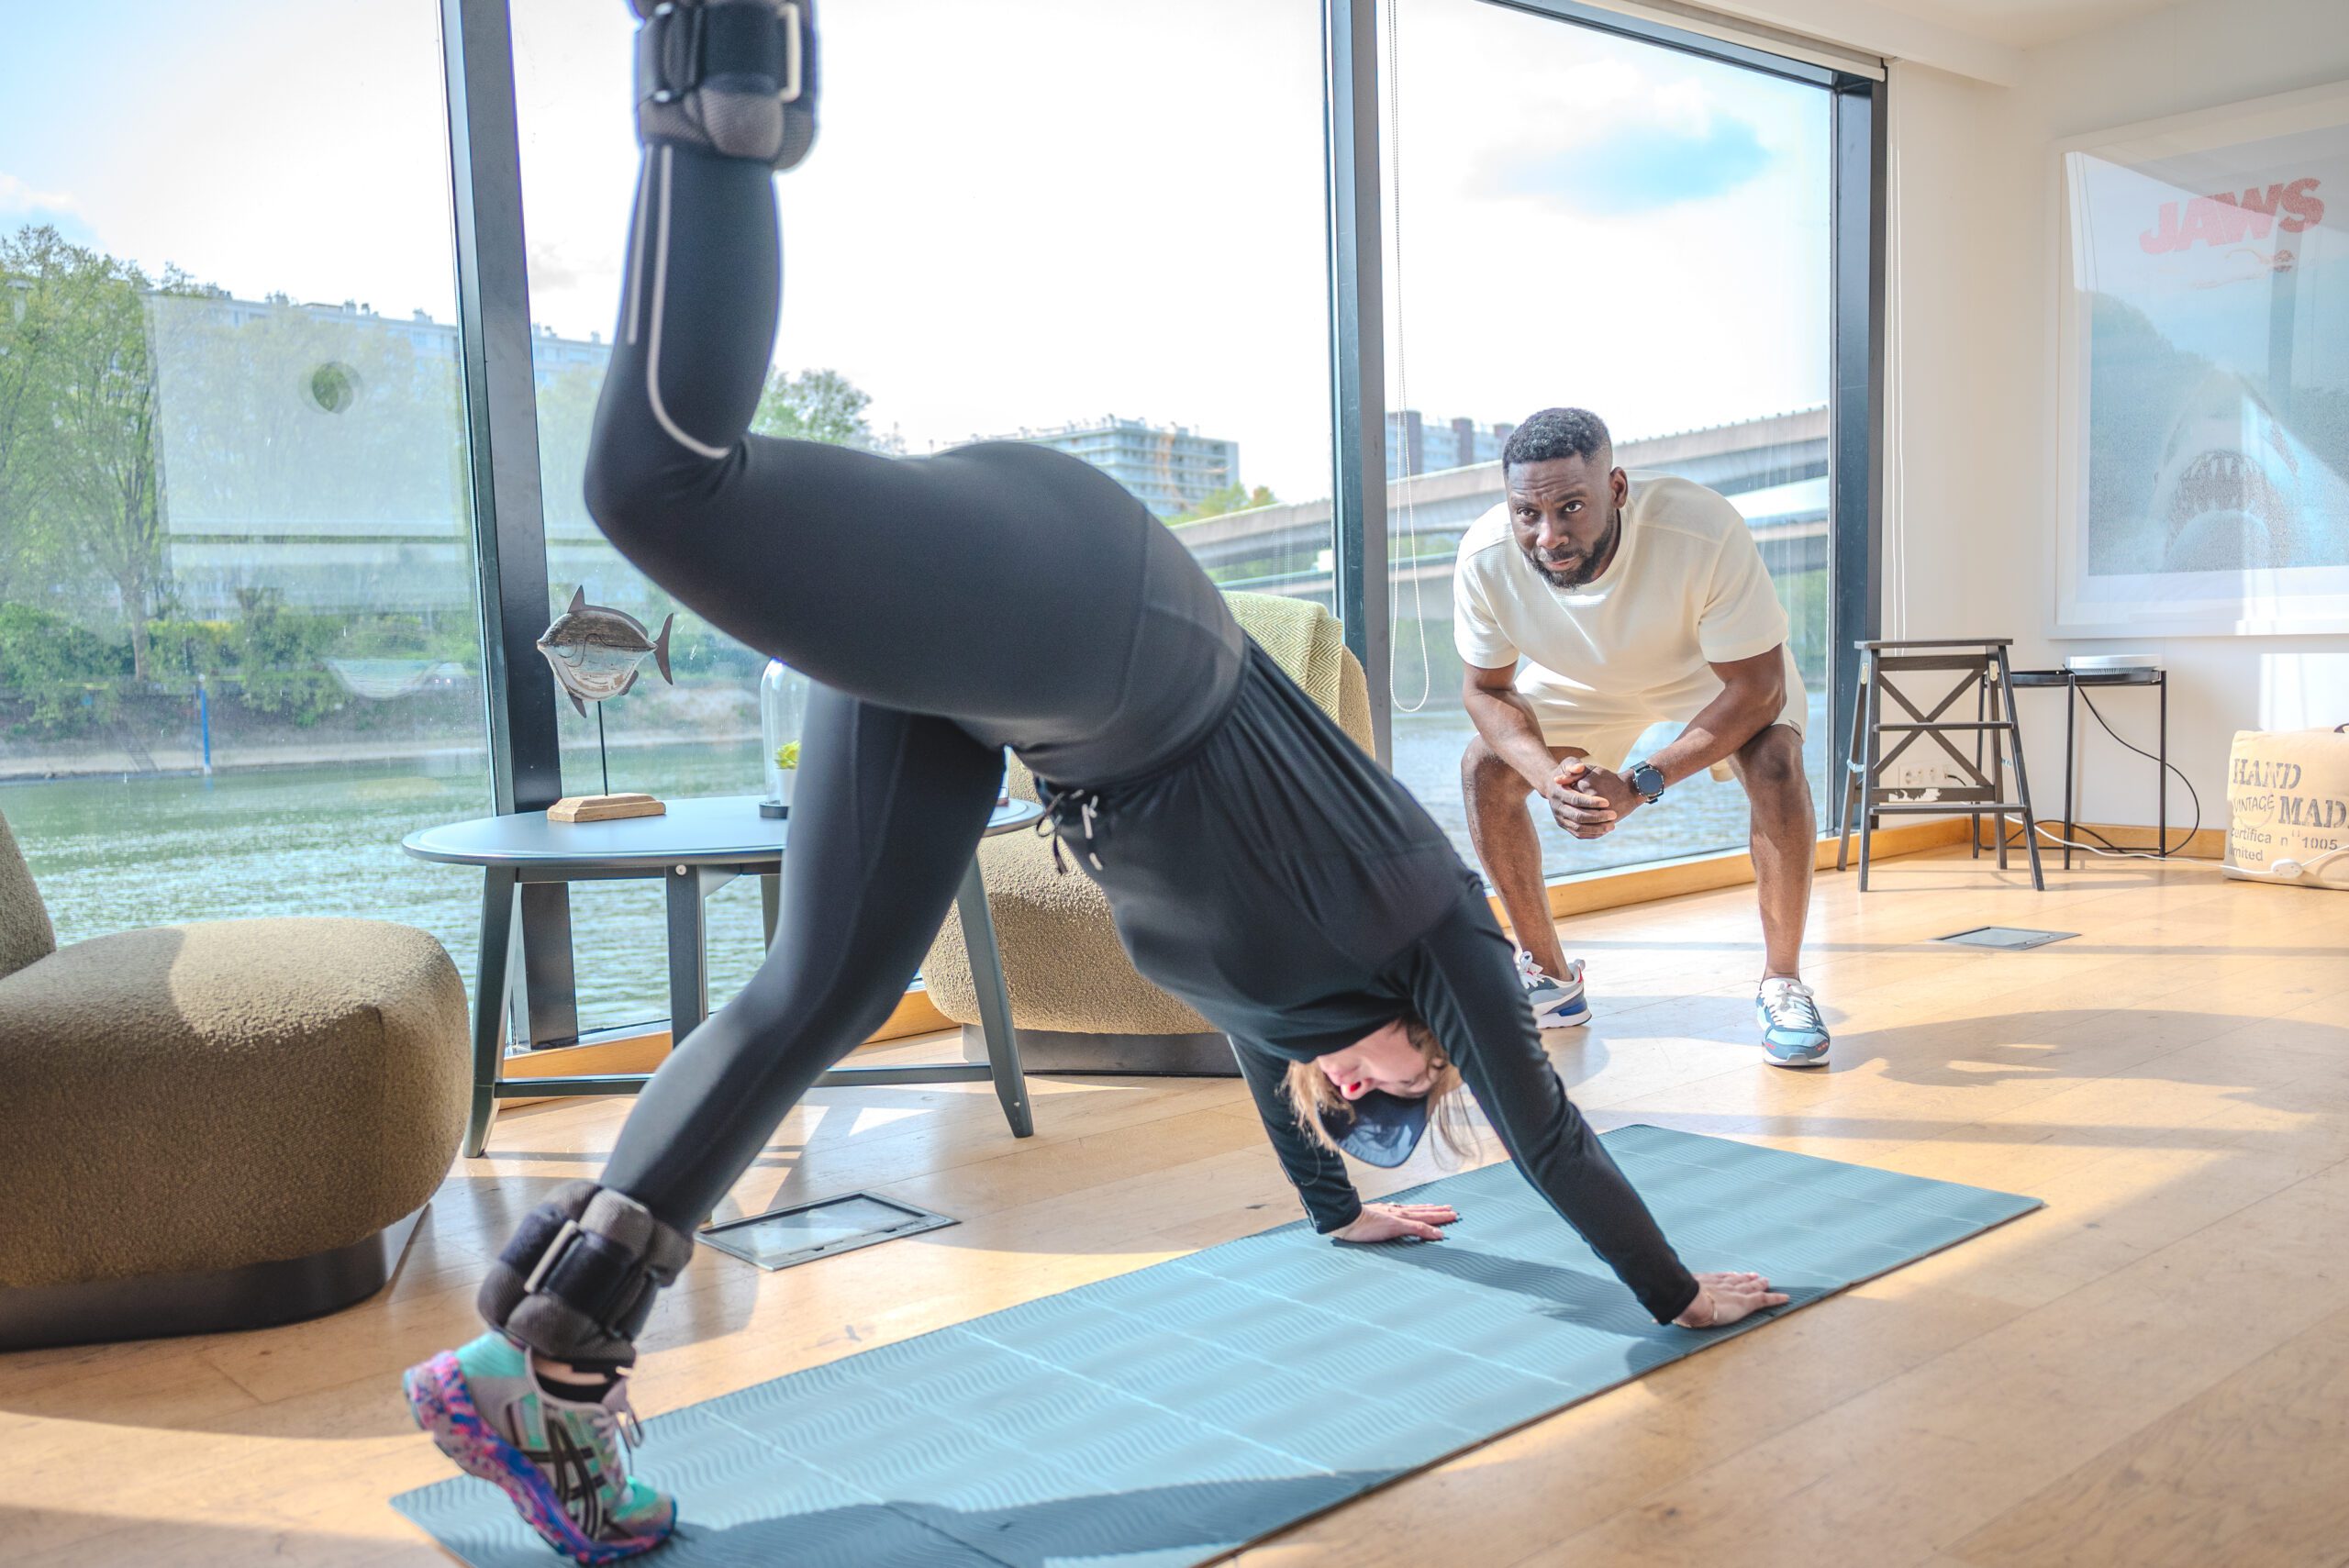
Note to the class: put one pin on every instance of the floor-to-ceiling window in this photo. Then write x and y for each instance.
(240, 643)
(235, 518)
(1066, 221)
(1575, 218)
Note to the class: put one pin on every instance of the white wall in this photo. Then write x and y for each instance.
(1972, 408)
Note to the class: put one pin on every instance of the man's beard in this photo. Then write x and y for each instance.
(1589, 570)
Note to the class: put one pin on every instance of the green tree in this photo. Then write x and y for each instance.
(281, 658)
(78, 488)
(30, 316)
(1230, 498)
(60, 678)
(107, 497)
(819, 406)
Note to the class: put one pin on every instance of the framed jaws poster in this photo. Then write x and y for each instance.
(2202, 373)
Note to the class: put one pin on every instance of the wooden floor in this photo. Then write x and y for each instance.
(2155, 1370)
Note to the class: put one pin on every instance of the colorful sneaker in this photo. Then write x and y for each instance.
(1557, 1004)
(564, 1462)
(1793, 1034)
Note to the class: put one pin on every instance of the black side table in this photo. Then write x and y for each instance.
(2072, 680)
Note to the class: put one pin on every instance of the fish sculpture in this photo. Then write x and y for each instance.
(595, 649)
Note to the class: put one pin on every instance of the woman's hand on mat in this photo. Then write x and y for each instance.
(1576, 804)
(1397, 1222)
(1725, 1298)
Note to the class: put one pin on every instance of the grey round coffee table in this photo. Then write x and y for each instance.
(695, 849)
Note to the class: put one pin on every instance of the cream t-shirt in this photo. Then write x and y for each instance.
(1687, 590)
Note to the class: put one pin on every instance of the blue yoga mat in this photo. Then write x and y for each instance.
(1173, 1413)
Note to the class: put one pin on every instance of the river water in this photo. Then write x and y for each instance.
(114, 853)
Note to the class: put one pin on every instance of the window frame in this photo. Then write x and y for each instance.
(1856, 316)
(501, 405)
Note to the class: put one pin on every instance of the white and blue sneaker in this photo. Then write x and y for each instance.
(1793, 1034)
(1557, 1004)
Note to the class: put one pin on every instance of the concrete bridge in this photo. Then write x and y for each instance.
(1773, 471)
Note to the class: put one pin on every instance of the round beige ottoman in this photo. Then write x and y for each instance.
(220, 1125)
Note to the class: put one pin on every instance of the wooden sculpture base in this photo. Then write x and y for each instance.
(604, 808)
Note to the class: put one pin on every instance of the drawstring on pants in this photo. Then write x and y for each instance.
(1055, 826)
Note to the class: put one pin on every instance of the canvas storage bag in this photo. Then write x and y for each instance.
(2287, 801)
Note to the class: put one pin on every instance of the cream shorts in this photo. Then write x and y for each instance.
(1608, 738)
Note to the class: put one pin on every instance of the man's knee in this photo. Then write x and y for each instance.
(1484, 776)
(1771, 763)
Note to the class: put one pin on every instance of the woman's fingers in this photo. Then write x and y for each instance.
(1736, 1296)
(1399, 1222)
(1754, 1291)
(1739, 1300)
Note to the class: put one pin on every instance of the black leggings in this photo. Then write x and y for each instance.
(1001, 595)
(1019, 591)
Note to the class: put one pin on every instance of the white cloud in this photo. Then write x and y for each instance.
(1661, 315)
(17, 196)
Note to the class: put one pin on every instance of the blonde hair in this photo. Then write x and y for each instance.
(1312, 1095)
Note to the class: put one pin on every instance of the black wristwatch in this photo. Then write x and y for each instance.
(1646, 781)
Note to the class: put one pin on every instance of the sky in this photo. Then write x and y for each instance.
(1021, 214)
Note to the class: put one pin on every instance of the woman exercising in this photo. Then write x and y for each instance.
(1259, 866)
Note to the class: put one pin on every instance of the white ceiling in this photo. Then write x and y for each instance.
(2023, 24)
(1985, 39)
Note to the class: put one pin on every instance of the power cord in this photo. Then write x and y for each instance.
(2292, 870)
(2112, 850)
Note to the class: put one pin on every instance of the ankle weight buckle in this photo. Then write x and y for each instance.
(556, 1249)
(681, 49)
